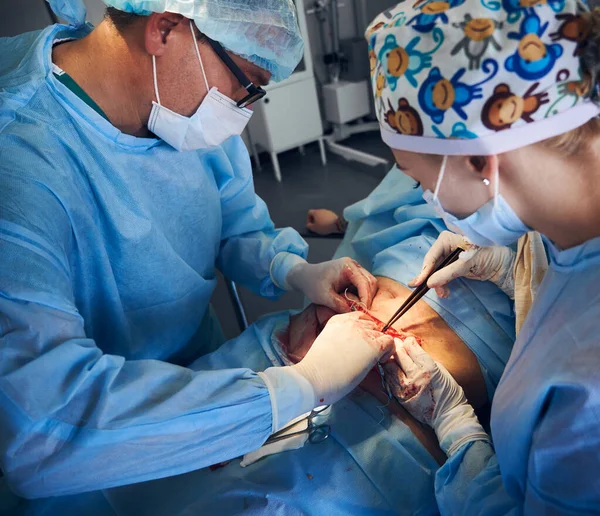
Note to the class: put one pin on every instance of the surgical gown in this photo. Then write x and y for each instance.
(546, 411)
(108, 249)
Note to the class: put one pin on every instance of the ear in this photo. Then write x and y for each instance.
(510, 63)
(486, 166)
(556, 51)
(435, 73)
(159, 28)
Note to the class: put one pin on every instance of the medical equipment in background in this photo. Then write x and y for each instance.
(289, 117)
(347, 101)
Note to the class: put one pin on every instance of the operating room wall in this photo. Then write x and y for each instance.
(24, 16)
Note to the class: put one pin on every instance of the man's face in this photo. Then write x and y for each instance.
(180, 79)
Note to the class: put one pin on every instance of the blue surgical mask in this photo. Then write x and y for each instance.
(495, 223)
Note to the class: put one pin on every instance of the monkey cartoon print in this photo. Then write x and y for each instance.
(446, 70)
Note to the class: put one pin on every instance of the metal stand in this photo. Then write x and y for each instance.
(301, 149)
(342, 132)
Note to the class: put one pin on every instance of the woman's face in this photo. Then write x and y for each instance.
(462, 191)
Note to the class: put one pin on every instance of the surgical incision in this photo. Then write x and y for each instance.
(421, 322)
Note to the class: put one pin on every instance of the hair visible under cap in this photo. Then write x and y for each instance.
(120, 19)
(579, 142)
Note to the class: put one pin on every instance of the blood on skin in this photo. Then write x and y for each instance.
(356, 307)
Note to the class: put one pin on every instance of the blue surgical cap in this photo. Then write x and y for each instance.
(264, 32)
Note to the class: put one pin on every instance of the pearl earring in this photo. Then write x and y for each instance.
(486, 182)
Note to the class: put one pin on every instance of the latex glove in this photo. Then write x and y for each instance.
(325, 222)
(430, 393)
(346, 350)
(479, 263)
(325, 283)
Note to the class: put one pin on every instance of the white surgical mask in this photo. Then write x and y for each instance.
(217, 119)
(495, 223)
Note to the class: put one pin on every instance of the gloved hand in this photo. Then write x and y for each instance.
(430, 393)
(342, 355)
(325, 283)
(325, 222)
(480, 263)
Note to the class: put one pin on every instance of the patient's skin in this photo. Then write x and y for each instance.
(434, 334)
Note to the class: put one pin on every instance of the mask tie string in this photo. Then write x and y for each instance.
(199, 56)
(496, 187)
(155, 79)
(440, 178)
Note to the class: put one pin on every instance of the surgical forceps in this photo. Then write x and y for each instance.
(316, 433)
(421, 290)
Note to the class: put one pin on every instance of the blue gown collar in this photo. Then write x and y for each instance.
(575, 258)
(76, 106)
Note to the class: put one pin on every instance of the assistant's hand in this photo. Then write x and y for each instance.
(479, 263)
(324, 222)
(325, 283)
(430, 393)
(342, 355)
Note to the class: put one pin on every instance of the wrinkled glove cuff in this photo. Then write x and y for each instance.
(505, 277)
(281, 266)
(457, 427)
(291, 395)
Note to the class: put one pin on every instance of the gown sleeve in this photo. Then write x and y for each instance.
(76, 419)
(249, 241)
(563, 466)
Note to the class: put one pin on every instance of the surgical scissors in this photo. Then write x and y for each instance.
(316, 433)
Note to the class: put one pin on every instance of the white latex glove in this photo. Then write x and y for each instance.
(428, 391)
(479, 263)
(325, 283)
(342, 355)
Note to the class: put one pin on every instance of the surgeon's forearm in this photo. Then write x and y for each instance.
(257, 260)
(75, 419)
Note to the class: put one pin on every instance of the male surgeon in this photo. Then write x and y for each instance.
(123, 183)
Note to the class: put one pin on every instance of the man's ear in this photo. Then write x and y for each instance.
(158, 29)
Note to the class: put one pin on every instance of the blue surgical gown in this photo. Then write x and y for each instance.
(108, 249)
(546, 411)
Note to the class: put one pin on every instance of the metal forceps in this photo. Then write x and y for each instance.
(421, 290)
(316, 433)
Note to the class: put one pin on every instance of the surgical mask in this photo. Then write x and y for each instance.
(217, 119)
(495, 223)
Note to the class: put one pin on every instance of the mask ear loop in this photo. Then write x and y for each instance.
(198, 54)
(496, 186)
(155, 79)
(440, 177)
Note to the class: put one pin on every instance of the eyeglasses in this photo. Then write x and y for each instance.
(255, 93)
